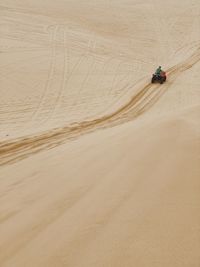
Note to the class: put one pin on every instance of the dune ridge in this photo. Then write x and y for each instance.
(136, 106)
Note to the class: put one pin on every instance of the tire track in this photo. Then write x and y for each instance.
(21, 148)
(66, 74)
(50, 75)
(89, 56)
(124, 89)
(63, 81)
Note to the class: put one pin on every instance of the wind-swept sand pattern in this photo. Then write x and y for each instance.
(99, 167)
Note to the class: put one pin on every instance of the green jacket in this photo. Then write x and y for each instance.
(158, 71)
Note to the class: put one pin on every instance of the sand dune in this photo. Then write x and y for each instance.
(99, 167)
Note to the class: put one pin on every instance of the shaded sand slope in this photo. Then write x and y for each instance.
(140, 205)
(97, 166)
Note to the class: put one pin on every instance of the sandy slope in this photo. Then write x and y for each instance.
(97, 166)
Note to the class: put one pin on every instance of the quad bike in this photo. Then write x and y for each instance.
(159, 78)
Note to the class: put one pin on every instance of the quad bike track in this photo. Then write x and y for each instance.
(23, 147)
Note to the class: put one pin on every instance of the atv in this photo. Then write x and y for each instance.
(159, 78)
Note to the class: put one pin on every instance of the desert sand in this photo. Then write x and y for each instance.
(99, 167)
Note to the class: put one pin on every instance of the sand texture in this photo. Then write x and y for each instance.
(99, 167)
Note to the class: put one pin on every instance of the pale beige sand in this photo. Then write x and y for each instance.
(99, 168)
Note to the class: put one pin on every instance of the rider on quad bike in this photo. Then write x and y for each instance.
(159, 76)
(158, 71)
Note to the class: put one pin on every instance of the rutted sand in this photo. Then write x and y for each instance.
(98, 166)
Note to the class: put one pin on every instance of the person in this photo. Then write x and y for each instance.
(158, 71)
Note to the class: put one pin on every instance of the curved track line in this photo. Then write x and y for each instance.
(66, 75)
(112, 86)
(51, 72)
(21, 148)
(62, 85)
